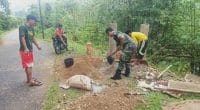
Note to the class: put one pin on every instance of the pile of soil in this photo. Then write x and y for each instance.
(82, 66)
(111, 99)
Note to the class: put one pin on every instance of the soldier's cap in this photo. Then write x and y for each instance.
(109, 29)
(28, 17)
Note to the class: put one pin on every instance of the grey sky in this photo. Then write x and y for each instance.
(17, 5)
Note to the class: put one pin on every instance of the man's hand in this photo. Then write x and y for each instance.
(26, 50)
(36, 44)
(117, 49)
(39, 48)
(110, 59)
(111, 54)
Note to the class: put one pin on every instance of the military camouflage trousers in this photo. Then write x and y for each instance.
(126, 56)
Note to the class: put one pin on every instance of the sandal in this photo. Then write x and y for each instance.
(34, 79)
(34, 83)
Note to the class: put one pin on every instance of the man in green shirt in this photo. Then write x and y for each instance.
(26, 39)
(128, 48)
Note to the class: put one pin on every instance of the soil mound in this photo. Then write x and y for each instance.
(111, 99)
(82, 66)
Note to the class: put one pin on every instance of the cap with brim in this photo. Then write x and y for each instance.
(32, 17)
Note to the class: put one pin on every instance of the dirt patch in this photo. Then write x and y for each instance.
(111, 99)
(82, 66)
(185, 105)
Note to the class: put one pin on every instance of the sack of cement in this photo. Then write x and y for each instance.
(80, 81)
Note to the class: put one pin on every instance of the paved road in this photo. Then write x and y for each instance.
(15, 94)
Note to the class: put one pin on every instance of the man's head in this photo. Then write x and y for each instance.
(109, 31)
(60, 26)
(128, 32)
(31, 20)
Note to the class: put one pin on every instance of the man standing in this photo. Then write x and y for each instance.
(26, 39)
(127, 46)
(141, 40)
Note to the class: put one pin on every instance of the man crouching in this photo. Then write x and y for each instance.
(128, 48)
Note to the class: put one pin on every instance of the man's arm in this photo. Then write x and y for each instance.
(121, 38)
(36, 44)
(22, 30)
(26, 50)
(117, 49)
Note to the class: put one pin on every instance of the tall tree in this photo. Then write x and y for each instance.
(4, 4)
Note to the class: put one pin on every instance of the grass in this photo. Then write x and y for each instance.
(57, 96)
(153, 100)
(156, 100)
(74, 47)
(72, 94)
(52, 94)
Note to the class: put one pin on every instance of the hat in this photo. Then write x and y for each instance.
(109, 29)
(32, 17)
(59, 25)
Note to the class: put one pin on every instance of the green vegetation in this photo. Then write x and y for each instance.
(155, 100)
(7, 21)
(57, 97)
(174, 25)
(52, 94)
(173, 36)
(72, 94)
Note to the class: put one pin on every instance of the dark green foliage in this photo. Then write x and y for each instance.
(6, 21)
(174, 24)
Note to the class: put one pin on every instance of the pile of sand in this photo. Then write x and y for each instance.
(82, 66)
(111, 99)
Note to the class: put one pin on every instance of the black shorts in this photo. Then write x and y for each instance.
(141, 49)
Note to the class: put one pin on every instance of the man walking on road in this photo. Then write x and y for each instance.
(26, 39)
(127, 46)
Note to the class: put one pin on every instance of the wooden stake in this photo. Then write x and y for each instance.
(158, 77)
(89, 49)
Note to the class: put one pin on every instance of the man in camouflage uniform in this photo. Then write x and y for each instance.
(128, 48)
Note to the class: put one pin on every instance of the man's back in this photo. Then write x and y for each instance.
(126, 38)
(138, 37)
